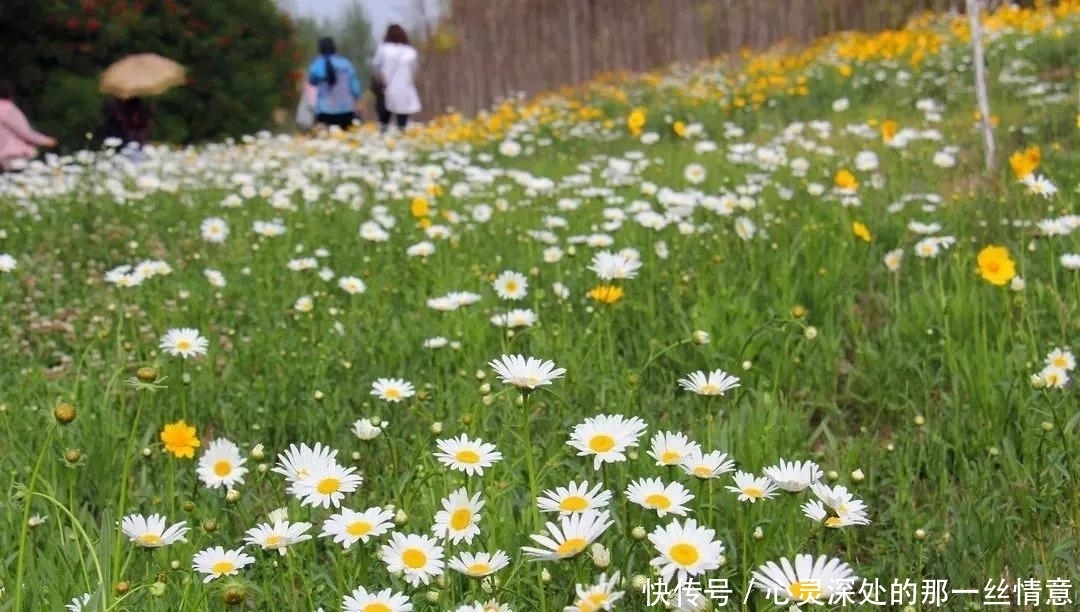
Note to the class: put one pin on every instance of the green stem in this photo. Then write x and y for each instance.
(86, 540)
(125, 475)
(24, 529)
(533, 487)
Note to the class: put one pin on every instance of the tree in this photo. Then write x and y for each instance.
(240, 54)
(351, 31)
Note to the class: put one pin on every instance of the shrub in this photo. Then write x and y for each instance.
(240, 56)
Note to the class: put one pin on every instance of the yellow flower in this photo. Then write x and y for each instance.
(679, 128)
(861, 231)
(419, 207)
(424, 223)
(636, 121)
(1023, 163)
(606, 294)
(846, 70)
(995, 265)
(180, 439)
(888, 130)
(846, 180)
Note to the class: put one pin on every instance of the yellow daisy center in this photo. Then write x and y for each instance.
(327, 486)
(183, 345)
(710, 389)
(223, 567)
(584, 605)
(833, 521)
(1060, 362)
(222, 468)
(150, 539)
(414, 558)
(275, 541)
(702, 471)
(574, 503)
(467, 456)
(601, 443)
(460, 519)
(753, 492)
(658, 501)
(392, 393)
(510, 286)
(478, 569)
(805, 589)
(597, 599)
(684, 554)
(670, 456)
(571, 547)
(376, 606)
(358, 528)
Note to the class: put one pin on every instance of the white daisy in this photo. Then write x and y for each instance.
(479, 565)
(525, 373)
(574, 498)
(418, 557)
(184, 342)
(326, 485)
(653, 494)
(78, 604)
(279, 536)
(150, 531)
(351, 285)
(598, 596)
(360, 600)
(216, 562)
(458, 519)
(605, 437)
(297, 462)
(669, 448)
(392, 389)
(752, 488)
(716, 382)
(349, 526)
(570, 537)
(464, 455)
(793, 477)
(214, 229)
(808, 581)
(511, 285)
(221, 464)
(685, 550)
(709, 465)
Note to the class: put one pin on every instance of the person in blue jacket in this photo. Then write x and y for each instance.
(338, 84)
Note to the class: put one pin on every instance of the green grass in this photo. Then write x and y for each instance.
(910, 388)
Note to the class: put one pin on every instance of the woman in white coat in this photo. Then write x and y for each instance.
(395, 64)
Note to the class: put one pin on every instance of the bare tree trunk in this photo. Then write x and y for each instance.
(975, 18)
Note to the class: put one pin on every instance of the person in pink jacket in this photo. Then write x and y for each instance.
(18, 141)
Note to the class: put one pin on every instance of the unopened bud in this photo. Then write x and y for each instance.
(432, 596)
(232, 496)
(545, 575)
(436, 427)
(121, 587)
(920, 534)
(401, 518)
(72, 455)
(234, 594)
(638, 533)
(920, 420)
(257, 452)
(1047, 426)
(146, 374)
(858, 475)
(758, 533)
(701, 337)
(485, 389)
(64, 413)
(601, 556)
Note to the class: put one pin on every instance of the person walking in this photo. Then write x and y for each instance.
(18, 141)
(394, 82)
(338, 85)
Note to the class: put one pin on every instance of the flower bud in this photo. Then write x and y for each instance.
(436, 427)
(232, 496)
(832, 475)
(319, 395)
(210, 525)
(432, 596)
(146, 374)
(401, 518)
(72, 455)
(485, 389)
(810, 332)
(1047, 426)
(701, 336)
(234, 594)
(64, 413)
(121, 587)
(601, 556)
(257, 452)
(1037, 381)
(638, 533)
(157, 589)
(758, 533)
(858, 475)
(545, 575)
(920, 420)
(480, 375)
(920, 534)
(798, 311)
(640, 582)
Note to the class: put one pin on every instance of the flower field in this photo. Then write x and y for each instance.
(748, 335)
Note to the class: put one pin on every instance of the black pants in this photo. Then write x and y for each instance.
(342, 120)
(385, 115)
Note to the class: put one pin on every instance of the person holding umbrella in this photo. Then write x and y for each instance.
(18, 141)
(127, 115)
